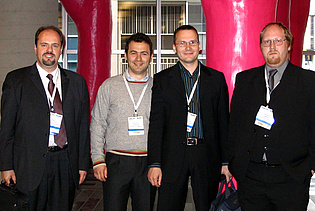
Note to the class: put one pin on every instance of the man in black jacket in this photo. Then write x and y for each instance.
(188, 127)
(44, 137)
(272, 128)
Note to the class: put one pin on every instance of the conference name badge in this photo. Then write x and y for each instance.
(55, 123)
(264, 117)
(136, 127)
(191, 117)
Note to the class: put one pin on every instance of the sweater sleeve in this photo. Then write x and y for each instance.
(99, 124)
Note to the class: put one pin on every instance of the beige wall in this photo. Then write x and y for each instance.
(19, 21)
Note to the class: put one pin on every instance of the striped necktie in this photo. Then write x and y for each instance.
(61, 139)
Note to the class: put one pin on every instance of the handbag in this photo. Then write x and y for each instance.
(226, 200)
(11, 198)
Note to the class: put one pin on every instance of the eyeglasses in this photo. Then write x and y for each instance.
(184, 43)
(277, 42)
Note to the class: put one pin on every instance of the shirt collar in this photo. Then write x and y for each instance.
(185, 71)
(43, 73)
(131, 79)
(280, 69)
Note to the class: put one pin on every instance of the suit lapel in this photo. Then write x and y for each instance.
(35, 78)
(260, 85)
(285, 82)
(64, 83)
(204, 80)
(177, 81)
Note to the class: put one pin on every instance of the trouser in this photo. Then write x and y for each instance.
(271, 189)
(172, 195)
(127, 176)
(56, 190)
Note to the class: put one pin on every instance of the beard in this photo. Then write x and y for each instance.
(273, 60)
(49, 62)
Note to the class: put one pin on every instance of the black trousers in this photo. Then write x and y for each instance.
(172, 195)
(56, 191)
(127, 176)
(272, 189)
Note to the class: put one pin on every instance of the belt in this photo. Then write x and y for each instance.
(56, 148)
(265, 163)
(192, 141)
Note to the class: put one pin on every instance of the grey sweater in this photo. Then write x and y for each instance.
(109, 123)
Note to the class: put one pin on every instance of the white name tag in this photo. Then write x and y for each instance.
(191, 117)
(55, 123)
(264, 118)
(136, 127)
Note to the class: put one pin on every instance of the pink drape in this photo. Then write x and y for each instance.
(94, 24)
(233, 28)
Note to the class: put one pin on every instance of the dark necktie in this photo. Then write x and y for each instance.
(61, 139)
(271, 79)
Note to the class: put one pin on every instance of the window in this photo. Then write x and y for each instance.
(141, 16)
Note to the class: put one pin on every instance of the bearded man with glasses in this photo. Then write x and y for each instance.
(272, 128)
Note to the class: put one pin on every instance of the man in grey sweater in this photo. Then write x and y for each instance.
(120, 121)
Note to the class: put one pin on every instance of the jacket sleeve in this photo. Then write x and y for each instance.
(9, 108)
(223, 113)
(84, 136)
(156, 126)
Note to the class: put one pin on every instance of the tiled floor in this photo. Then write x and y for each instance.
(89, 197)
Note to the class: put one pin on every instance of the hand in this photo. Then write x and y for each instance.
(312, 172)
(155, 176)
(8, 175)
(82, 176)
(101, 173)
(226, 172)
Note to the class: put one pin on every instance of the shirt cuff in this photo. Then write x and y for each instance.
(155, 165)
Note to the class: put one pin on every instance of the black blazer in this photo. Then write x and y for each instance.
(293, 104)
(168, 121)
(25, 124)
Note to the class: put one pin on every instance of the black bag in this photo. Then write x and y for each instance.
(226, 201)
(11, 198)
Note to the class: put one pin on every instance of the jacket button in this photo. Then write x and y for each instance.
(254, 130)
(266, 136)
(248, 151)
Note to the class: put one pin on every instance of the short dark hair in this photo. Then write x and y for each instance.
(139, 37)
(56, 29)
(184, 27)
(287, 33)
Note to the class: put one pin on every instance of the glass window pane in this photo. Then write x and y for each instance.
(72, 62)
(72, 43)
(72, 29)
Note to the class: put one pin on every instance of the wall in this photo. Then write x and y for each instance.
(19, 21)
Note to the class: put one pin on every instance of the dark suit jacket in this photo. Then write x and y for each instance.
(25, 124)
(168, 121)
(293, 104)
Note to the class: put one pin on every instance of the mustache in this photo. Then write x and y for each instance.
(274, 51)
(48, 54)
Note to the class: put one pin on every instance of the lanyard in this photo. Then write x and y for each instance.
(131, 96)
(193, 90)
(52, 97)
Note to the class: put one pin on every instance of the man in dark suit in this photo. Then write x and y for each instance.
(188, 127)
(272, 128)
(44, 137)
